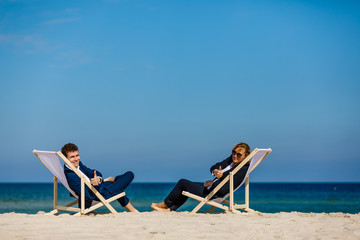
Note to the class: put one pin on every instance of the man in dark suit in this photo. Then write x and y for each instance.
(108, 187)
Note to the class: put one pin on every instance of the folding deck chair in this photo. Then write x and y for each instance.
(52, 162)
(255, 157)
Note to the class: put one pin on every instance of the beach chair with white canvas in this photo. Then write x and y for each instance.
(52, 161)
(255, 158)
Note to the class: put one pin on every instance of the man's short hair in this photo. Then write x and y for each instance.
(70, 147)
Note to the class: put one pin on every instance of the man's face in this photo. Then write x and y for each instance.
(74, 158)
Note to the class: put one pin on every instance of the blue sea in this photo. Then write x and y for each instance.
(264, 197)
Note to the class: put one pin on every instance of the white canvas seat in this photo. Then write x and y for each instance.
(255, 158)
(52, 161)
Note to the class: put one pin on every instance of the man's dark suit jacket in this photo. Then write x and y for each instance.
(75, 183)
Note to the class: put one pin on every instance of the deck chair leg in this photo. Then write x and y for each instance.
(231, 204)
(82, 199)
(57, 210)
(55, 198)
(211, 209)
(247, 193)
(55, 192)
(197, 208)
(238, 212)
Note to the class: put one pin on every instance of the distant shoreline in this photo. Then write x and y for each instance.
(175, 182)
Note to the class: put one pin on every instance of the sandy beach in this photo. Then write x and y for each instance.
(181, 225)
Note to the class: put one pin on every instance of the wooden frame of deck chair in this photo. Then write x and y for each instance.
(52, 162)
(256, 156)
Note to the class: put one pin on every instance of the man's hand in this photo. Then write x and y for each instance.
(208, 183)
(218, 173)
(96, 180)
(110, 179)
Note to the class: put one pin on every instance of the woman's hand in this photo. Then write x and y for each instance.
(208, 183)
(218, 173)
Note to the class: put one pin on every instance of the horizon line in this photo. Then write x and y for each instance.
(301, 182)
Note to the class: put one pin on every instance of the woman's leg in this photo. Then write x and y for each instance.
(175, 198)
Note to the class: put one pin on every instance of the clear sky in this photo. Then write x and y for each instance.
(167, 88)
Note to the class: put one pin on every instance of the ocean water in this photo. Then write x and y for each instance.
(264, 197)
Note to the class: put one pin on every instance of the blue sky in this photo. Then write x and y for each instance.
(167, 88)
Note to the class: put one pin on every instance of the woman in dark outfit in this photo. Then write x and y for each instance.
(220, 170)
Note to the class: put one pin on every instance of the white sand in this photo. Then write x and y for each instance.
(181, 225)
